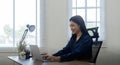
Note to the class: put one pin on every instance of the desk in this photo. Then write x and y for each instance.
(30, 61)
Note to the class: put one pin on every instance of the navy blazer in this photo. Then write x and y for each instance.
(76, 50)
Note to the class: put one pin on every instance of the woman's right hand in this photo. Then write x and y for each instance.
(44, 56)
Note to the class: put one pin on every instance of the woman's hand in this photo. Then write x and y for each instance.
(53, 58)
(44, 56)
(50, 58)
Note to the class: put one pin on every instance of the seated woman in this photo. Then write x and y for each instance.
(79, 46)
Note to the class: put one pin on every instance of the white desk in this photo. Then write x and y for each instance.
(15, 59)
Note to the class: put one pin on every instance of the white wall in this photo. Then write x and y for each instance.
(56, 30)
(111, 55)
(113, 23)
(4, 58)
(56, 24)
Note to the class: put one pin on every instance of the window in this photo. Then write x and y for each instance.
(92, 12)
(14, 16)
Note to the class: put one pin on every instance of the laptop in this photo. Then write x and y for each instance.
(35, 52)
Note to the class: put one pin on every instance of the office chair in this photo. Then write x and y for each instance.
(96, 44)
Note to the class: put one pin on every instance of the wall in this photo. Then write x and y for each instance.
(56, 24)
(112, 23)
(4, 60)
(111, 55)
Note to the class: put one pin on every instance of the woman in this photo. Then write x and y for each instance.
(80, 45)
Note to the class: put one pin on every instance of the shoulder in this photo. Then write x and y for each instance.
(86, 38)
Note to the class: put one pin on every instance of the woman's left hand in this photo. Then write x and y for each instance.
(53, 58)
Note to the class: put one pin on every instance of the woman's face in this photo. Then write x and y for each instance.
(75, 28)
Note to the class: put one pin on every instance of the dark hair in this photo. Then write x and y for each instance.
(79, 20)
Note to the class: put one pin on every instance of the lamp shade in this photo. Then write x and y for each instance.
(31, 28)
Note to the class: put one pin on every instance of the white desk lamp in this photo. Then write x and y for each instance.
(30, 28)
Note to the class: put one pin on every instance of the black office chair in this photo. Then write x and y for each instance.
(96, 44)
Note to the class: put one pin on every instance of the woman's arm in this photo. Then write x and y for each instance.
(65, 50)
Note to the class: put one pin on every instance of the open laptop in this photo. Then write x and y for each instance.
(36, 53)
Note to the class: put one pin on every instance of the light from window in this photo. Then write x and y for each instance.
(14, 16)
(92, 13)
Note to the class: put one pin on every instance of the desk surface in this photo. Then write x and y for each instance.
(32, 62)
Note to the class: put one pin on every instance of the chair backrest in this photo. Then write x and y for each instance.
(94, 33)
(96, 44)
